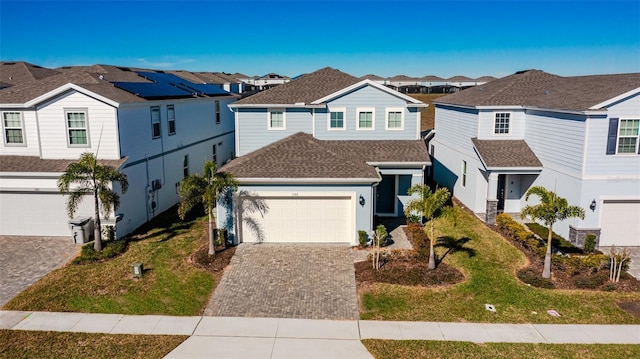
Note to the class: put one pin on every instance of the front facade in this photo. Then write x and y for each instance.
(326, 153)
(154, 140)
(537, 129)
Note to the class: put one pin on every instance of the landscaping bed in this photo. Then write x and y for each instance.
(412, 272)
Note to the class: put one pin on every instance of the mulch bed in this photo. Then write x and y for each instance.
(408, 272)
(215, 264)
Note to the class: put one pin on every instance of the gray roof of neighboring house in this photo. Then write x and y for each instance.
(402, 78)
(303, 156)
(372, 77)
(304, 89)
(535, 88)
(506, 153)
(486, 78)
(36, 164)
(15, 73)
(460, 78)
(431, 78)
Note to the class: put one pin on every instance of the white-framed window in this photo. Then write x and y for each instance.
(336, 119)
(171, 120)
(13, 129)
(185, 166)
(464, 173)
(394, 119)
(155, 121)
(366, 119)
(501, 124)
(276, 120)
(217, 112)
(628, 131)
(77, 128)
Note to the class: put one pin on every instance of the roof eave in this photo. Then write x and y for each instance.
(274, 105)
(400, 164)
(515, 169)
(615, 99)
(366, 82)
(68, 87)
(272, 180)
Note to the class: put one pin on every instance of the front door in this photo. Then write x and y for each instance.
(501, 192)
(386, 195)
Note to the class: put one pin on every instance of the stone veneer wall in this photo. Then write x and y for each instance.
(492, 210)
(577, 236)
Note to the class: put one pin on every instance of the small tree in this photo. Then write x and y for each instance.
(206, 190)
(379, 236)
(429, 204)
(615, 267)
(552, 208)
(91, 178)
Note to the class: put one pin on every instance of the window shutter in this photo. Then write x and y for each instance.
(612, 136)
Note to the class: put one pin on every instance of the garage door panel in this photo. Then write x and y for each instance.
(620, 223)
(303, 219)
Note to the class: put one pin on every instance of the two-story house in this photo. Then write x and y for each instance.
(154, 132)
(325, 153)
(576, 136)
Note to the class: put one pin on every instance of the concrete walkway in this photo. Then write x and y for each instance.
(273, 338)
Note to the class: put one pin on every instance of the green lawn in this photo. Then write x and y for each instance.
(409, 349)
(490, 278)
(169, 286)
(32, 344)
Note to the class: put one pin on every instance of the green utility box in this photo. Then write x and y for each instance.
(137, 270)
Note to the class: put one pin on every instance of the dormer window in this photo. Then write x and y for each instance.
(276, 120)
(501, 125)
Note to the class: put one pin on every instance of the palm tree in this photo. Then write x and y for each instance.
(92, 178)
(206, 190)
(428, 204)
(551, 209)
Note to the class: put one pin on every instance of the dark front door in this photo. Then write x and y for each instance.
(385, 195)
(501, 191)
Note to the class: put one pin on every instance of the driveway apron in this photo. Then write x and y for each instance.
(310, 281)
(26, 259)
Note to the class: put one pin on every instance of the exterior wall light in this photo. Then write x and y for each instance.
(592, 206)
(361, 200)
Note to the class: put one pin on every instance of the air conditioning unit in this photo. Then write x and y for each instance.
(156, 185)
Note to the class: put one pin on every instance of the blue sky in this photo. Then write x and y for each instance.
(415, 38)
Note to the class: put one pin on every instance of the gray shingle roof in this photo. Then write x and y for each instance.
(36, 164)
(539, 89)
(431, 78)
(304, 89)
(372, 77)
(18, 72)
(506, 153)
(460, 78)
(303, 156)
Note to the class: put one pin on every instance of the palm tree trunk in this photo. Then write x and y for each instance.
(546, 271)
(212, 244)
(97, 234)
(432, 256)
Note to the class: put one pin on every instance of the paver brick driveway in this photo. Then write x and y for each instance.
(313, 281)
(26, 259)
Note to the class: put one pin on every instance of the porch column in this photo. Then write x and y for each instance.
(492, 199)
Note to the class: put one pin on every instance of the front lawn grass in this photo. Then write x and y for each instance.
(169, 285)
(490, 279)
(409, 349)
(34, 344)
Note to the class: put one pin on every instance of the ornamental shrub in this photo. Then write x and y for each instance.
(589, 243)
(362, 238)
(585, 281)
(531, 276)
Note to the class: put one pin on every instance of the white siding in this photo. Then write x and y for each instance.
(486, 125)
(31, 147)
(102, 128)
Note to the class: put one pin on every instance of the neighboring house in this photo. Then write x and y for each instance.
(13, 73)
(326, 153)
(374, 78)
(270, 80)
(154, 132)
(576, 136)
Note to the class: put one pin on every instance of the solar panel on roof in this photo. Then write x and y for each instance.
(162, 77)
(152, 90)
(208, 89)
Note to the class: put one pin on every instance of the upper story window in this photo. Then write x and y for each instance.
(366, 118)
(336, 119)
(394, 119)
(628, 136)
(155, 121)
(217, 112)
(276, 120)
(13, 129)
(185, 166)
(171, 119)
(502, 123)
(77, 128)
(464, 173)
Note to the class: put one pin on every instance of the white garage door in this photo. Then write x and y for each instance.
(301, 219)
(620, 223)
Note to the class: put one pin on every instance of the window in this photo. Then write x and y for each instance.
(502, 123)
(628, 136)
(217, 112)
(336, 119)
(214, 157)
(185, 166)
(171, 119)
(464, 173)
(13, 132)
(276, 120)
(394, 119)
(77, 128)
(365, 119)
(155, 121)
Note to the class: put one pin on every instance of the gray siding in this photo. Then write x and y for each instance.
(253, 129)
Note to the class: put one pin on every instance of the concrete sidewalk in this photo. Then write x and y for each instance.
(226, 337)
